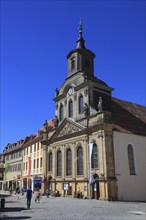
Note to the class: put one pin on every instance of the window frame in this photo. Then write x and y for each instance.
(131, 159)
(81, 104)
(68, 162)
(59, 163)
(80, 161)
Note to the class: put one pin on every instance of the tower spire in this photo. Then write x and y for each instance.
(80, 41)
(80, 28)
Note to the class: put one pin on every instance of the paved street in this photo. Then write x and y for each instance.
(72, 209)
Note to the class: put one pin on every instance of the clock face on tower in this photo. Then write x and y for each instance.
(70, 91)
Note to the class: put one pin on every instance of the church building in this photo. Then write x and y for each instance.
(88, 117)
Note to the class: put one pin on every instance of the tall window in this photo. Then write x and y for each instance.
(59, 163)
(50, 162)
(80, 104)
(41, 162)
(68, 162)
(79, 161)
(61, 112)
(87, 65)
(72, 65)
(38, 146)
(37, 162)
(131, 160)
(94, 158)
(70, 109)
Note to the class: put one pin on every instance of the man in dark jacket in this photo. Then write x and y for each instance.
(29, 196)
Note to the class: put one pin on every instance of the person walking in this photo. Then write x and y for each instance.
(78, 193)
(29, 196)
(47, 193)
(17, 192)
(38, 195)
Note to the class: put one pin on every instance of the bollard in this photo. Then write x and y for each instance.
(2, 203)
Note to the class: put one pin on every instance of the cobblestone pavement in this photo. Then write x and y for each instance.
(72, 209)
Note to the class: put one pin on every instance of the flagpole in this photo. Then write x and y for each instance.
(89, 170)
(89, 147)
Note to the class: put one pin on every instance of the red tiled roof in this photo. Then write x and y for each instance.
(50, 125)
(128, 116)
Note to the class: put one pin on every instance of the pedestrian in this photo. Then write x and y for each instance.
(78, 193)
(17, 192)
(29, 196)
(38, 195)
(47, 193)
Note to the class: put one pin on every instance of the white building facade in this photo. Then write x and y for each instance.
(130, 165)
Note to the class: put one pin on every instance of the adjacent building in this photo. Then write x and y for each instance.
(33, 160)
(13, 165)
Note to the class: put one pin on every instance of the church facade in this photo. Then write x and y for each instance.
(87, 115)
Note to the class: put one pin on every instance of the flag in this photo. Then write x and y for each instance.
(90, 148)
(29, 170)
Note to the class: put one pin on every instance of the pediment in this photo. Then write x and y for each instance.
(68, 126)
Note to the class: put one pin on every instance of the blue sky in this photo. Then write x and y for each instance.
(36, 37)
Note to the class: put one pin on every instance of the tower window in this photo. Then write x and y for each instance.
(61, 112)
(87, 65)
(70, 109)
(80, 104)
(72, 65)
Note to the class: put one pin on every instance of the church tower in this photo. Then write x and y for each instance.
(81, 88)
(81, 60)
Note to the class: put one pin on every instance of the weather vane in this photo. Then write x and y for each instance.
(81, 26)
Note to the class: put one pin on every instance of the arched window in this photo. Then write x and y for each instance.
(94, 158)
(87, 65)
(72, 65)
(79, 161)
(80, 104)
(70, 109)
(68, 162)
(131, 159)
(61, 112)
(50, 162)
(59, 163)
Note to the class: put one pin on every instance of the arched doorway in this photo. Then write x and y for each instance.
(95, 187)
